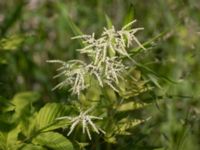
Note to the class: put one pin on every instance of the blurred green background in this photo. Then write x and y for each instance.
(33, 31)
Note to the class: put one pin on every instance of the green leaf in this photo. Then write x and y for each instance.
(9, 140)
(80, 145)
(11, 42)
(149, 70)
(94, 91)
(46, 118)
(27, 126)
(154, 79)
(64, 14)
(129, 106)
(148, 43)
(126, 124)
(110, 94)
(132, 87)
(5, 105)
(2, 141)
(23, 103)
(109, 22)
(129, 15)
(31, 147)
(54, 141)
(26, 98)
(110, 139)
(12, 138)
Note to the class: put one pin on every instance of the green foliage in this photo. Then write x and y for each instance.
(157, 108)
(22, 124)
(53, 140)
(11, 43)
(109, 83)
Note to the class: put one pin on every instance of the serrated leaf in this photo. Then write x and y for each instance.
(54, 141)
(23, 104)
(12, 138)
(133, 88)
(46, 118)
(22, 100)
(28, 126)
(9, 141)
(31, 147)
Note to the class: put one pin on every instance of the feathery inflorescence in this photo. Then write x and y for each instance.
(105, 55)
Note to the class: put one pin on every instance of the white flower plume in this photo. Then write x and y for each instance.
(105, 54)
(85, 120)
(74, 72)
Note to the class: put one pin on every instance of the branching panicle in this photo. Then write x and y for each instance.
(106, 66)
(107, 69)
(85, 120)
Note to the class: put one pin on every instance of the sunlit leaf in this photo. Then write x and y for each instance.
(31, 147)
(110, 139)
(130, 106)
(94, 91)
(109, 22)
(129, 15)
(46, 118)
(81, 145)
(6, 105)
(23, 103)
(110, 94)
(12, 138)
(125, 124)
(11, 43)
(54, 141)
(2, 141)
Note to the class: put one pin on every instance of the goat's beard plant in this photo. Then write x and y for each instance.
(105, 85)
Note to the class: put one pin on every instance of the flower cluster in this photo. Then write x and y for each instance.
(105, 54)
(74, 72)
(111, 41)
(84, 120)
(106, 66)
